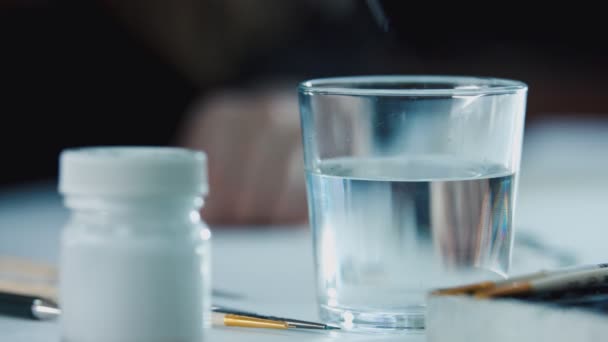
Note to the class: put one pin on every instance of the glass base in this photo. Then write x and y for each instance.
(410, 319)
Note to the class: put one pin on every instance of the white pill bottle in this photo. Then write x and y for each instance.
(135, 255)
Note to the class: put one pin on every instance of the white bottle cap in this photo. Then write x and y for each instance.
(133, 171)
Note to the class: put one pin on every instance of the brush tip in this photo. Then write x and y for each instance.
(463, 290)
(513, 289)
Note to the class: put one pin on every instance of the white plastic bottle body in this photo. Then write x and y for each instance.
(134, 272)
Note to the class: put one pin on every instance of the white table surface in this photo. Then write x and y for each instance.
(563, 201)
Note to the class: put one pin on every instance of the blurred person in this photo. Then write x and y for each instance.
(252, 139)
(199, 73)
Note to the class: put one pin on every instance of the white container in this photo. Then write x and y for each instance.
(135, 255)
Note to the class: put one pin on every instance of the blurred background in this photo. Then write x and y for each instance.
(220, 75)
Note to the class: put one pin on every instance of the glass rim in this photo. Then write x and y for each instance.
(378, 85)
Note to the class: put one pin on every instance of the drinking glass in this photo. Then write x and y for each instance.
(411, 184)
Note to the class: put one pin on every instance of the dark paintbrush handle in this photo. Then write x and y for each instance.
(17, 305)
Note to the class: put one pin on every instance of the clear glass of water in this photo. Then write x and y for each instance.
(411, 185)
